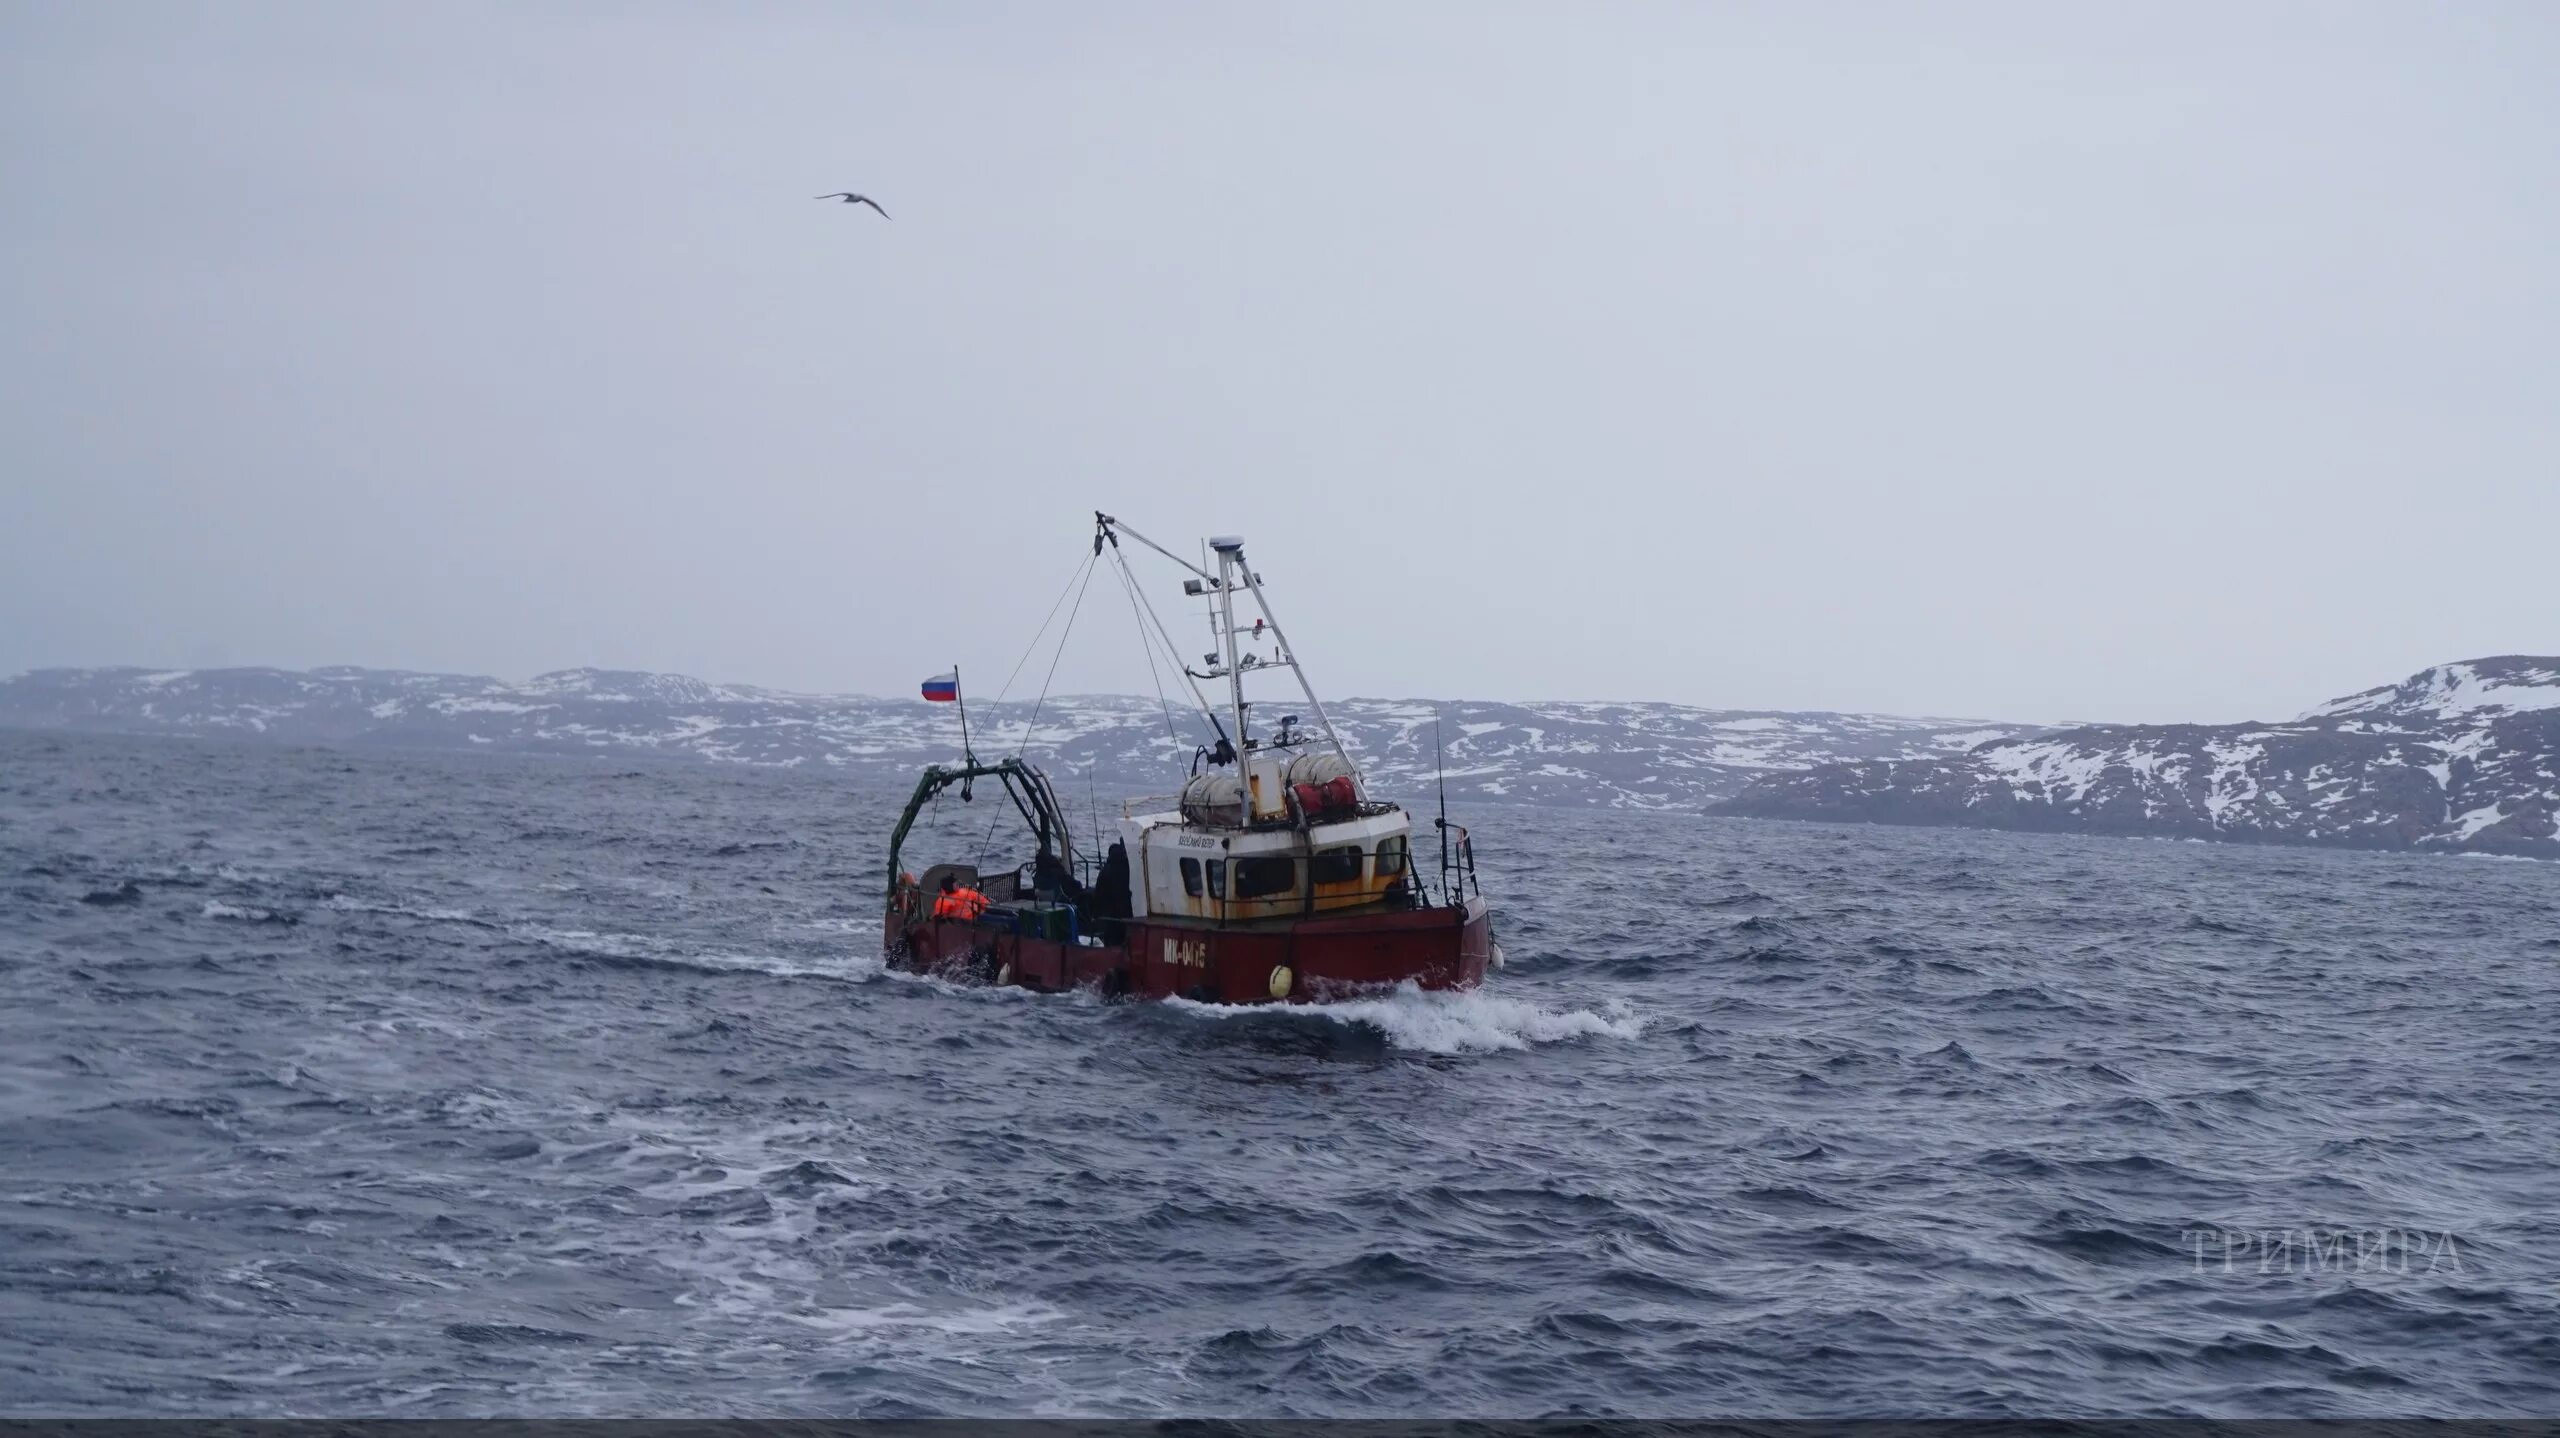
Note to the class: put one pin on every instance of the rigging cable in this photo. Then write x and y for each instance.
(1058, 654)
(1147, 642)
(1171, 649)
(1066, 842)
(1085, 569)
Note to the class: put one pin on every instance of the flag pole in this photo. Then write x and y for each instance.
(967, 754)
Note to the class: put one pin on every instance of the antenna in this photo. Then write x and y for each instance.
(1091, 799)
(1440, 772)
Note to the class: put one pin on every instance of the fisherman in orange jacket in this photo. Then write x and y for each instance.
(958, 903)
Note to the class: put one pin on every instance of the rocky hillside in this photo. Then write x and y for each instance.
(1652, 756)
(2461, 756)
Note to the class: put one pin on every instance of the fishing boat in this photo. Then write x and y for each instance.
(1273, 875)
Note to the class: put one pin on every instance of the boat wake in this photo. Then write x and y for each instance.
(646, 951)
(1443, 1022)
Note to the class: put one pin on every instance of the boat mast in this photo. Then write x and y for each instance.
(1230, 551)
(1289, 656)
(1235, 569)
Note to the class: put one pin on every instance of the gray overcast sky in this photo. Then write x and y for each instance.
(2162, 361)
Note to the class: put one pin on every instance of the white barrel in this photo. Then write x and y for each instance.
(1215, 798)
(1318, 767)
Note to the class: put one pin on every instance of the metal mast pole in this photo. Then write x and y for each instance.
(1110, 523)
(1228, 555)
(1255, 584)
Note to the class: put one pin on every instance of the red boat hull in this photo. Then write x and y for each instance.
(1307, 960)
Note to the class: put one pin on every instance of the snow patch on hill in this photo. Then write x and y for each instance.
(2510, 684)
(2458, 756)
(1623, 754)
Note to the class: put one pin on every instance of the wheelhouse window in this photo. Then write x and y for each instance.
(1391, 857)
(1336, 866)
(1217, 878)
(1191, 877)
(1260, 878)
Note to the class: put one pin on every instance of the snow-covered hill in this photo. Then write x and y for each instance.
(1635, 755)
(2459, 756)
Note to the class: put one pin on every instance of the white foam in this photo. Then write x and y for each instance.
(1443, 1021)
(663, 951)
(866, 966)
(216, 909)
(773, 964)
(866, 925)
(344, 905)
(1002, 1319)
(416, 1023)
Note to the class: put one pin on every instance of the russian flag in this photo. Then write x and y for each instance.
(944, 689)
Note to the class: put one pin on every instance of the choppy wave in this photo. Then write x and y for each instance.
(346, 905)
(444, 1086)
(245, 913)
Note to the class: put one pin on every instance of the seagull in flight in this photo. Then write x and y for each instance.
(850, 198)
